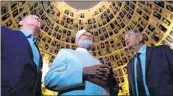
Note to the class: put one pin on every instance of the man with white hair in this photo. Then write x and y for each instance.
(150, 71)
(77, 72)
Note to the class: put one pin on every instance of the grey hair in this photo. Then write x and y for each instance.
(136, 32)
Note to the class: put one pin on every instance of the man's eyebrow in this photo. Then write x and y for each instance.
(128, 33)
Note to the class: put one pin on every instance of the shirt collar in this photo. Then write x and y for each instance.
(25, 32)
(142, 50)
(82, 50)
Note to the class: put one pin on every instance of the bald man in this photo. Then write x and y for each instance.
(21, 59)
(77, 72)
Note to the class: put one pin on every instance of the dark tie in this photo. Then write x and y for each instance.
(29, 36)
(140, 82)
(34, 40)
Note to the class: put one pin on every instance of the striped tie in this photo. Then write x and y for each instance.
(140, 82)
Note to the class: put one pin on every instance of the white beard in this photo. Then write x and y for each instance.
(87, 43)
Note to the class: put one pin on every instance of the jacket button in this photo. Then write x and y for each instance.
(34, 91)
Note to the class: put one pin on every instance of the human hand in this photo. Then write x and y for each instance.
(97, 71)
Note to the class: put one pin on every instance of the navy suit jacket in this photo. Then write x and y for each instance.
(19, 74)
(159, 71)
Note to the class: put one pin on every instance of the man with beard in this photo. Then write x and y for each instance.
(150, 71)
(77, 72)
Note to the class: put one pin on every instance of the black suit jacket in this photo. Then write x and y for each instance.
(19, 74)
(159, 71)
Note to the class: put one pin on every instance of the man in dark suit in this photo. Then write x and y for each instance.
(150, 71)
(21, 59)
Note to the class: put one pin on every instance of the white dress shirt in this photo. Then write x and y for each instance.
(67, 70)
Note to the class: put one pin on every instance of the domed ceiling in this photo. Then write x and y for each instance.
(108, 21)
(82, 5)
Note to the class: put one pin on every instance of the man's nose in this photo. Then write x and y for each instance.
(126, 39)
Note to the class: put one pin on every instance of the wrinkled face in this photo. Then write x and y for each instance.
(132, 39)
(85, 40)
(31, 21)
(86, 35)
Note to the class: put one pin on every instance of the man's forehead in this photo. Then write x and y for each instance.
(35, 16)
(31, 16)
(132, 32)
(129, 32)
(86, 32)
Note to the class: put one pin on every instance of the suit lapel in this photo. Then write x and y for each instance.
(131, 75)
(40, 62)
(131, 68)
(29, 48)
(148, 57)
(27, 43)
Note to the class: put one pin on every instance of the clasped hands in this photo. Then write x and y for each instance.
(98, 74)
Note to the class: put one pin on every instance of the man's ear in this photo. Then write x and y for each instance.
(39, 24)
(20, 22)
(141, 37)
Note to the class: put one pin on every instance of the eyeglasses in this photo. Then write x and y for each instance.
(90, 36)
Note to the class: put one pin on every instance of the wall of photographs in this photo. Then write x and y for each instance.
(108, 21)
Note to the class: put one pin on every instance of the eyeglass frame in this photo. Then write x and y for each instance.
(90, 36)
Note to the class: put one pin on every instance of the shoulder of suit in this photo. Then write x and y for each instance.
(161, 46)
(6, 29)
(8, 33)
